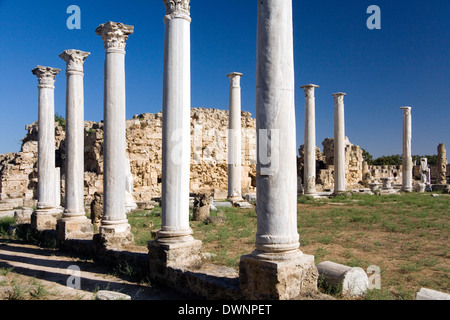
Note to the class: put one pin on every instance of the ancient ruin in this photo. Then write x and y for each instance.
(184, 155)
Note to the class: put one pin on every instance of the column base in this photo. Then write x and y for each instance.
(74, 228)
(165, 255)
(45, 219)
(280, 279)
(114, 236)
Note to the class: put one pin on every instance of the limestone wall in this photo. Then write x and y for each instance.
(209, 128)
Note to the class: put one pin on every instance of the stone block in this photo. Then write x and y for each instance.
(173, 255)
(23, 216)
(44, 220)
(279, 279)
(68, 229)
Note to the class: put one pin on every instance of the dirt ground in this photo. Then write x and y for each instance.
(28, 272)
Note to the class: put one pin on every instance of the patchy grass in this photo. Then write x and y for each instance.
(406, 235)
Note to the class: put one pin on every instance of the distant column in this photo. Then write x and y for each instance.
(175, 244)
(114, 222)
(74, 223)
(339, 143)
(234, 137)
(277, 269)
(45, 216)
(407, 165)
(310, 141)
(442, 164)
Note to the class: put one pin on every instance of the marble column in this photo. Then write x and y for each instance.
(234, 138)
(175, 242)
(407, 166)
(309, 166)
(114, 227)
(276, 269)
(339, 143)
(74, 223)
(46, 214)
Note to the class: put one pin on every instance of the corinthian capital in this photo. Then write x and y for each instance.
(74, 59)
(114, 35)
(177, 9)
(46, 76)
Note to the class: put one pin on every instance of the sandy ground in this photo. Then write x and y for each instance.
(36, 268)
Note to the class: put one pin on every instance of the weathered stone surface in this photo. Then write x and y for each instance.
(23, 216)
(442, 164)
(18, 173)
(111, 295)
(201, 208)
(342, 279)
(97, 209)
(280, 280)
(428, 294)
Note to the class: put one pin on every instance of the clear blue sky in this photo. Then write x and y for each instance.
(404, 63)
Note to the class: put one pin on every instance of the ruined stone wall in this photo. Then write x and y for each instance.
(354, 163)
(209, 129)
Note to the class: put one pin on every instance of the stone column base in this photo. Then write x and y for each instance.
(186, 254)
(277, 280)
(42, 220)
(113, 237)
(74, 228)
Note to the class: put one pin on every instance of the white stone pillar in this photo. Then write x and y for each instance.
(74, 223)
(57, 193)
(234, 138)
(339, 143)
(309, 157)
(407, 166)
(44, 218)
(114, 221)
(277, 269)
(175, 235)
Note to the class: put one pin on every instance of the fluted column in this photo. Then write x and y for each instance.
(339, 143)
(114, 220)
(234, 137)
(309, 157)
(277, 268)
(74, 223)
(407, 166)
(175, 244)
(44, 217)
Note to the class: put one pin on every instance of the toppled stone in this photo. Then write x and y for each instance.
(201, 207)
(243, 205)
(250, 197)
(111, 295)
(342, 279)
(428, 294)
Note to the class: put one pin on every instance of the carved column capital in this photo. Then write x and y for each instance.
(177, 9)
(406, 110)
(235, 79)
(309, 90)
(114, 35)
(74, 59)
(46, 76)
